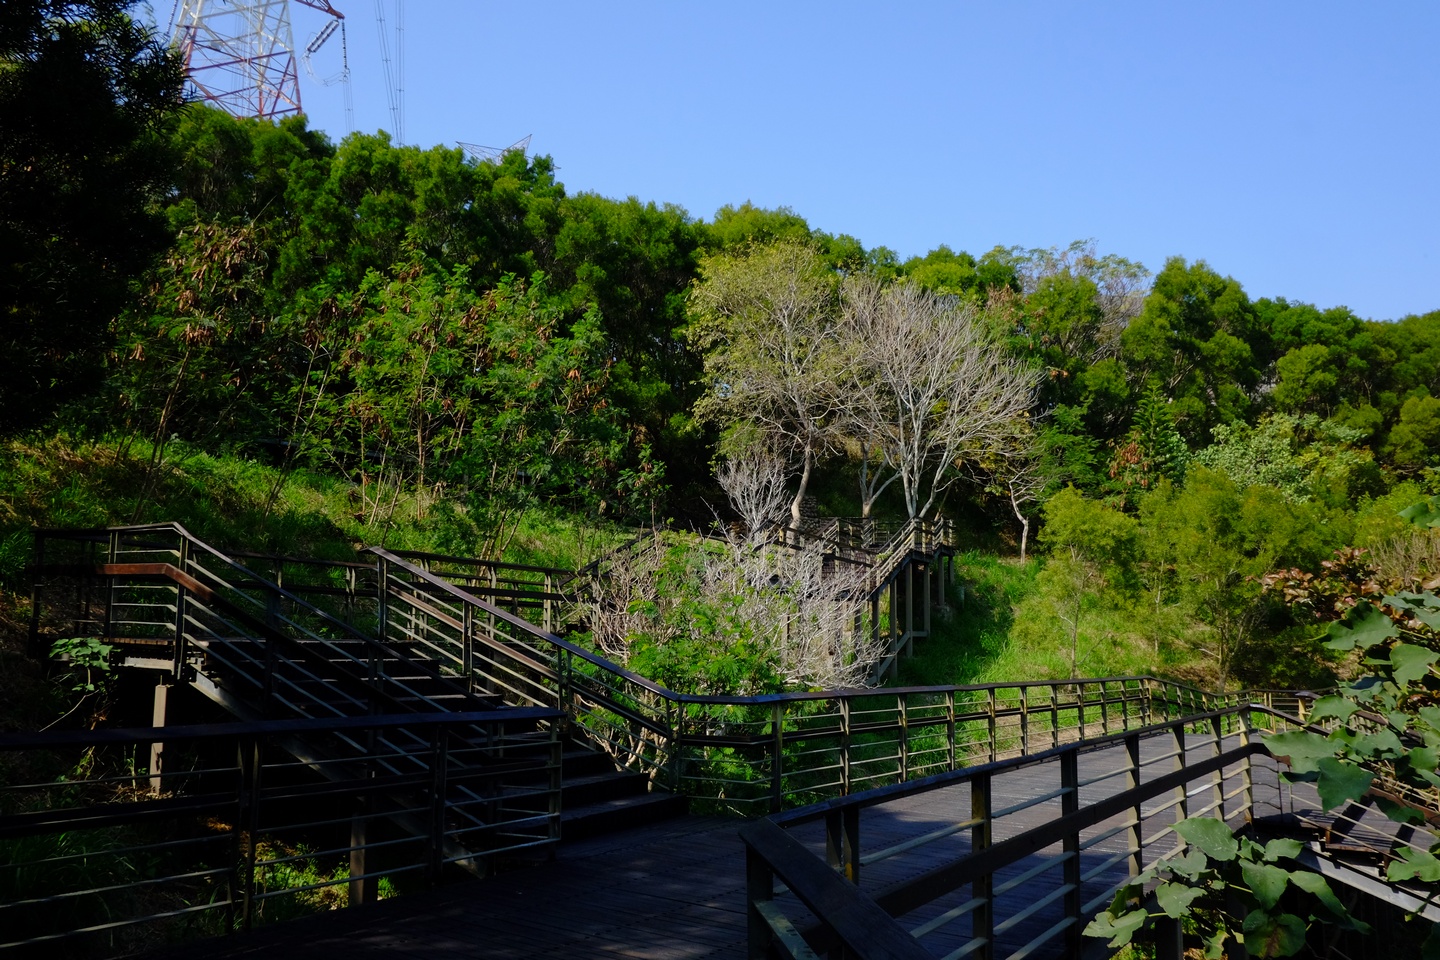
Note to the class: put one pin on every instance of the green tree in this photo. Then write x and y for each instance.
(1092, 551)
(1194, 340)
(87, 95)
(1414, 441)
(1219, 539)
(767, 321)
(1152, 451)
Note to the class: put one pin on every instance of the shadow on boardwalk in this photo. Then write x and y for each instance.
(677, 889)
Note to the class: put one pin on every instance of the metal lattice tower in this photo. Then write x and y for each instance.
(494, 154)
(240, 56)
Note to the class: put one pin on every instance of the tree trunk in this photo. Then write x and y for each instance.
(808, 461)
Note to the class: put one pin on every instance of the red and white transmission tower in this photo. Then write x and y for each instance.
(240, 56)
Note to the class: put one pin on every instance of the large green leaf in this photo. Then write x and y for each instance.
(1399, 812)
(1303, 748)
(1424, 607)
(1175, 898)
(1266, 881)
(1380, 745)
(1212, 837)
(1340, 781)
(1119, 929)
(1423, 763)
(1426, 513)
(1319, 888)
(1366, 627)
(1332, 706)
(1271, 936)
(1189, 864)
(1282, 849)
(1414, 865)
(1411, 662)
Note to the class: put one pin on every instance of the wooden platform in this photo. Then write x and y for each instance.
(677, 889)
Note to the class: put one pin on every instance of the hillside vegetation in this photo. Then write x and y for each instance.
(301, 346)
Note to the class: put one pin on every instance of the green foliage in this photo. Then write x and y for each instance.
(1233, 889)
(1387, 729)
(87, 661)
(87, 95)
(1152, 451)
(1092, 557)
(1210, 543)
(1305, 458)
(1195, 338)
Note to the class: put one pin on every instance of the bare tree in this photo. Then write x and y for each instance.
(1023, 474)
(931, 387)
(1120, 288)
(767, 321)
(754, 481)
(797, 605)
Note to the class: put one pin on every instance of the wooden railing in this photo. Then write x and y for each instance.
(99, 857)
(748, 755)
(761, 753)
(1070, 856)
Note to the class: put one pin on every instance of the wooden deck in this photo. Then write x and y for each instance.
(677, 889)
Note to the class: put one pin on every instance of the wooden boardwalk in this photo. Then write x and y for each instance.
(677, 889)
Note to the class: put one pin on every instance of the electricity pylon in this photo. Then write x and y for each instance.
(240, 56)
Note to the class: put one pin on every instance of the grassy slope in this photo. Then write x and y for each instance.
(228, 502)
(1005, 631)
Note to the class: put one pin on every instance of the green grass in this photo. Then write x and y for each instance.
(239, 503)
(972, 637)
(1005, 631)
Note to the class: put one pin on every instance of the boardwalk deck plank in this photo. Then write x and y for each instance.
(676, 890)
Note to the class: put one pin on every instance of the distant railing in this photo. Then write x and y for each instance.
(1075, 861)
(100, 857)
(762, 753)
(171, 602)
(747, 755)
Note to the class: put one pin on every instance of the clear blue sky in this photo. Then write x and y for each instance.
(1293, 146)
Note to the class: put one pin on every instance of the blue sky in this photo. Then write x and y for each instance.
(1292, 146)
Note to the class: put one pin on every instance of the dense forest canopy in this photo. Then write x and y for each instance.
(291, 283)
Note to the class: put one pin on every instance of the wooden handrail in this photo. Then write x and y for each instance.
(771, 853)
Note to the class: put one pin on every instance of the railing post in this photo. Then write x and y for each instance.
(362, 888)
(247, 820)
(382, 599)
(1182, 797)
(777, 755)
(112, 552)
(902, 711)
(1247, 779)
(991, 724)
(1070, 870)
(467, 646)
(759, 888)
(548, 606)
(982, 918)
(159, 717)
(1054, 715)
(950, 729)
(439, 759)
(1135, 834)
(1217, 747)
(1024, 720)
(673, 712)
(842, 841)
(845, 746)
